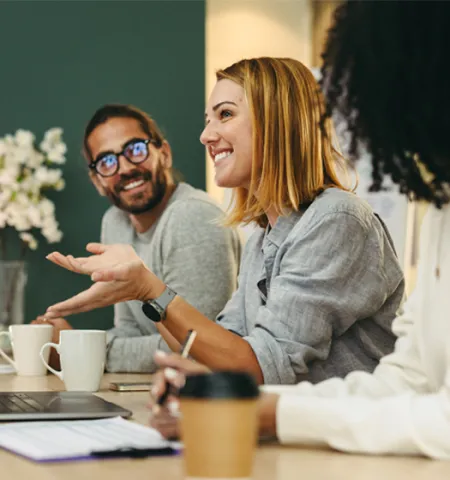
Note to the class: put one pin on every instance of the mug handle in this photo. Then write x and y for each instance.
(41, 354)
(3, 354)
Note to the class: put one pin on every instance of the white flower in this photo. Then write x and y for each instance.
(53, 135)
(48, 176)
(53, 146)
(52, 233)
(25, 174)
(30, 185)
(24, 138)
(5, 195)
(60, 184)
(17, 218)
(8, 178)
(47, 207)
(29, 240)
(22, 199)
(35, 159)
(34, 215)
(56, 154)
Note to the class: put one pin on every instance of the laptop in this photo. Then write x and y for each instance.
(56, 406)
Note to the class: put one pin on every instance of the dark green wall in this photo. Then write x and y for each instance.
(60, 60)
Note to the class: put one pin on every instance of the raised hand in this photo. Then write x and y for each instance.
(122, 282)
(104, 256)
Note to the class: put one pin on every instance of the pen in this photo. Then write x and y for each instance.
(184, 352)
(132, 452)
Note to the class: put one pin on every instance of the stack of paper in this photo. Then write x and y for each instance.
(80, 439)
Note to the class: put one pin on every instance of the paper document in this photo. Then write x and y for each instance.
(77, 439)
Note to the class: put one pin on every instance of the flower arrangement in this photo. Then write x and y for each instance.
(26, 174)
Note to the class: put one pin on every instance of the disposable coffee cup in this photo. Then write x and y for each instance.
(219, 425)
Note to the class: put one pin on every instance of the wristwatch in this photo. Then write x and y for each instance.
(155, 309)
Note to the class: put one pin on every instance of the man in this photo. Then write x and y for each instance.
(174, 228)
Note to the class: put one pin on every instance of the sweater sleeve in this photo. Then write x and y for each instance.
(407, 423)
(128, 348)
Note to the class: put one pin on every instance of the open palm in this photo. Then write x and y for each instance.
(104, 257)
(120, 283)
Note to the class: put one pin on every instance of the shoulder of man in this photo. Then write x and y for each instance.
(191, 204)
(115, 223)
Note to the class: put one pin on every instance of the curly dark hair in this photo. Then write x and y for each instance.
(386, 70)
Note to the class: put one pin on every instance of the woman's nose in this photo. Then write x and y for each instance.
(209, 135)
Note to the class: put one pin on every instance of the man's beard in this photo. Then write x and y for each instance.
(137, 205)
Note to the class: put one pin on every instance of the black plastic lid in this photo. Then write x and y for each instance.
(220, 385)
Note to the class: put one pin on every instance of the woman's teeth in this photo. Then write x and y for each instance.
(222, 155)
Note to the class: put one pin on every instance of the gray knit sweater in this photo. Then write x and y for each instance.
(186, 249)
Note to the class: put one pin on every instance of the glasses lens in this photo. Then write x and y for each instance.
(136, 152)
(107, 165)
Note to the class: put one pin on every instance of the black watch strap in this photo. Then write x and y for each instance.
(155, 309)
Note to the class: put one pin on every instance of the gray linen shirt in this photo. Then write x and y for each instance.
(188, 250)
(318, 292)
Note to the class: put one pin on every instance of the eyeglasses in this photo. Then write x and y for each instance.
(135, 151)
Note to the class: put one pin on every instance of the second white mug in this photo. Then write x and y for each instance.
(82, 357)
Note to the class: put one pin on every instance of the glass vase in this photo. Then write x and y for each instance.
(12, 288)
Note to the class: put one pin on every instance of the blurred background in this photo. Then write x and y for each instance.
(61, 60)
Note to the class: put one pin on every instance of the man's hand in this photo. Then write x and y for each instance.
(58, 325)
(119, 275)
(104, 257)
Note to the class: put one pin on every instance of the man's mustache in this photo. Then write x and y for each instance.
(125, 179)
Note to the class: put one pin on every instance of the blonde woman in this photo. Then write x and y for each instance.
(319, 280)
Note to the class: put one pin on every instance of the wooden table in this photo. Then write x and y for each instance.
(273, 462)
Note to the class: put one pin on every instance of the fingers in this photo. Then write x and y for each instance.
(122, 272)
(175, 361)
(66, 261)
(92, 298)
(41, 319)
(76, 265)
(58, 259)
(96, 248)
(160, 391)
(166, 423)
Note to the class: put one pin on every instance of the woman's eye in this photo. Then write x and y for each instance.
(225, 114)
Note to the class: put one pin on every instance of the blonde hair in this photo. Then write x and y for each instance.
(294, 159)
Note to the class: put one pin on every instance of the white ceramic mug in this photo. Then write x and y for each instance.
(27, 341)
(82, 355)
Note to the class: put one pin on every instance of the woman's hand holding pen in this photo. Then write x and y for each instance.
(174, 370)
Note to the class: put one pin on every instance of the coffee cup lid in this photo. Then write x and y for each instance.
(219, 385)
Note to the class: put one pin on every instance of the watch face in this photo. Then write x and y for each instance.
(151, 312)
